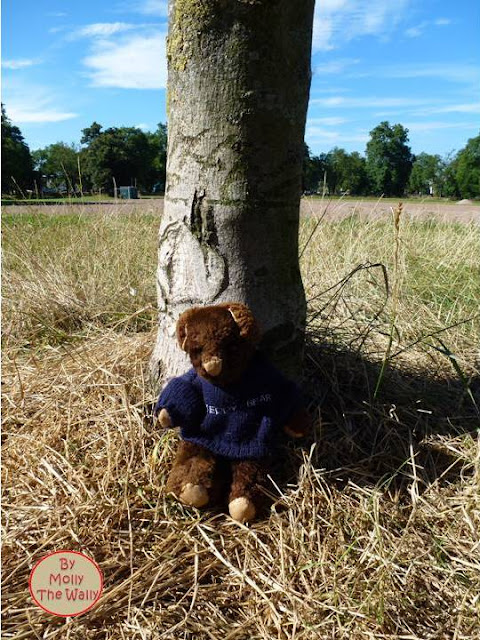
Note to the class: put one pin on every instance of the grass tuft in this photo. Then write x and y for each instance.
(69, 273)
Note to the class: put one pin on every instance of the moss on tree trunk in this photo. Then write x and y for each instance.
(239, 78)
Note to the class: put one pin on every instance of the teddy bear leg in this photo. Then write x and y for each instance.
(248, 476)
(191, 477)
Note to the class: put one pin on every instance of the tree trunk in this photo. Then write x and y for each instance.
(239, 79)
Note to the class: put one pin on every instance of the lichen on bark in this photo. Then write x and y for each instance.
(189, 20)
(239, 74)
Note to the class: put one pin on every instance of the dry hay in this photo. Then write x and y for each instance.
(374, 526)
(373, 532)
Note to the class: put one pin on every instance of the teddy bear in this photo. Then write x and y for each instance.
(231, 407)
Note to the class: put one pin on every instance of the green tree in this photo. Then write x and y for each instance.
(389, 159)
(17, 165)
(158, 142)
(467, 169)
(90, 133)
(334, 161)
(314, 168)
(356, 179)
(123, 154)
(448, 179)
(346, 172)
(58, 167)
(426, 176)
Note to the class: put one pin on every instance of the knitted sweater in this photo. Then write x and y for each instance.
(240, 421)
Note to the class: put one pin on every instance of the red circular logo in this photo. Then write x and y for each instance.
(66, 583)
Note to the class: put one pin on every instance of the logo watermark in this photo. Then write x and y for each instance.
(66, 583)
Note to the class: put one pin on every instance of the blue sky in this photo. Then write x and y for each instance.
(68, 63)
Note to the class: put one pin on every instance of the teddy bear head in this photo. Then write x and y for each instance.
(219, 339)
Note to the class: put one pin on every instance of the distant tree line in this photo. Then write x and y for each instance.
(128, 156)
(17, 163)
(390, 168)
(118, 156)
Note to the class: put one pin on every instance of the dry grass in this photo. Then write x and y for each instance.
(70, 268)
(374, 530)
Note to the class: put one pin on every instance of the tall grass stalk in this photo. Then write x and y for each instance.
(397, 214)
(80, 182)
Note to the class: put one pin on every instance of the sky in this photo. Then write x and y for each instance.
(67, 63)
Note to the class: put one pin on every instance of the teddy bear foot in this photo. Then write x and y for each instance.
(242, 509)
(194, 495)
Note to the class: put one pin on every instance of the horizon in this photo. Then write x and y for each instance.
(69, 66)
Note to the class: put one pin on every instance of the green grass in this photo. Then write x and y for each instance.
(71, 201)
(71, 272)
(28, 221)
(6, 200)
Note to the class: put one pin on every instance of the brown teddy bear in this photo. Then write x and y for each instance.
(230, 407)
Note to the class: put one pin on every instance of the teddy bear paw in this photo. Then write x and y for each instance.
(194, 495)
(164, 419)
(242, 509)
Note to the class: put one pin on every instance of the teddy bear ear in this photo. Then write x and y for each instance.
(245, 320)
(182, 329)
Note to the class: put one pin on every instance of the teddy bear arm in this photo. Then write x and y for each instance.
(296, 419)
(180, 404)
(299, 424)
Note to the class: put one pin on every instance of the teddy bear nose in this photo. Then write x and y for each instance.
(213, 366)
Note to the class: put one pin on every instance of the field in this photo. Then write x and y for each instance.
(428, 209)
(374, 525)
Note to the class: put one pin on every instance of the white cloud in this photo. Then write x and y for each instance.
(444, 71)
(472, 107)
(334, 5)
(32, 114)
(414, 32)
(339, 21)
(137, 62)
(367, 102)
(330, 90)
(103, 29)
(417, 31)
(328, 122)
(31, 103)
(319, 135)
(153, 7)
(19, 63)
(323, 29)
(335, 66)
(374, 20)
(125, 60)
(313, 132)
(452, 72)
(461, 108)
(418, 127)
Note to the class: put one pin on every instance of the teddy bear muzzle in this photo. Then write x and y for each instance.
(213, 366)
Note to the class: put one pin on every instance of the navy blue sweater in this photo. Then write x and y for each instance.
(241, 421)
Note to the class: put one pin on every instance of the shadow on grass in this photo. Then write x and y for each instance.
(401, 441)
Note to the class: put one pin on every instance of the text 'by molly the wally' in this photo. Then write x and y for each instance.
(65, 584)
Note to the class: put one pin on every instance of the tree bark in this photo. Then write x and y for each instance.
(238, 85)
